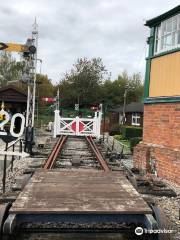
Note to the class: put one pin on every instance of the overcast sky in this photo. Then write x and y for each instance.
(69, 29)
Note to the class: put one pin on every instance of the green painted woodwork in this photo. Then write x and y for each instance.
(165, 53)
(162, 100)
(148, 62)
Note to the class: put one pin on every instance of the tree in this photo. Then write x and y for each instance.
(10, 69)
(135, 88)
(81, 85)
(44, 86)
(112, 92)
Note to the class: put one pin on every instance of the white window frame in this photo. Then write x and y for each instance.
(168, 30)
(136, 119)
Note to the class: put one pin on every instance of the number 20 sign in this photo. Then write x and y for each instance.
(5, 118)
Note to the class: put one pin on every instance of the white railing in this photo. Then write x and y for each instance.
(77, 126)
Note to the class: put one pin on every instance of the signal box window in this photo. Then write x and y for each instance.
(167, 35)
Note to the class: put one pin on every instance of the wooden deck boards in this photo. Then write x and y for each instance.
(56, 192)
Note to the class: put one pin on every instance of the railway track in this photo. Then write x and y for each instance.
(76, 195)
(71, 152)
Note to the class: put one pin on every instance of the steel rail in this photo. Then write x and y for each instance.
(46, 165)
(97, 153)
(56, 150)
(59, 149)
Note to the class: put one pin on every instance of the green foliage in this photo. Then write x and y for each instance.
(70, 112)
(10, 69)
(81, 85)
(45, 119)
(114, 130)
(118, 137)
(125, 142)
(112, 92)
(44, 86)
(89, 82)
(134, 141)
(131, 132)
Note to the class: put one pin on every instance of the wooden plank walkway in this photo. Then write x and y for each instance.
(84, 191)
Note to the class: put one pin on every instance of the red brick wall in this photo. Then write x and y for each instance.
(167, 161)
(161, 141)
(162, 124)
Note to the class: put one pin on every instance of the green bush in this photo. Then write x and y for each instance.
(114, 130)
(134, 141)
(118, 137)
(131, 132)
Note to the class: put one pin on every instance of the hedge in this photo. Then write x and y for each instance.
(134, 141)
(131, 132)
(115, 129)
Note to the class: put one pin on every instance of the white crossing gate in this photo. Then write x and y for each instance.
(77, 126)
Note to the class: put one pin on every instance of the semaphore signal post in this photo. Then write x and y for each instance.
(31, 64)
(29, 52)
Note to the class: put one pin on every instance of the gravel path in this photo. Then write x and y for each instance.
(19, 166)
(171, 208)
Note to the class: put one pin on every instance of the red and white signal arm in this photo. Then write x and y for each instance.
(49, 100)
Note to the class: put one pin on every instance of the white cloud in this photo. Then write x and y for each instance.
(112, 30)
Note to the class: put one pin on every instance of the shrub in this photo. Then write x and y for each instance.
(131, 132)
(118, 137)
(134, 141)
(114, 130)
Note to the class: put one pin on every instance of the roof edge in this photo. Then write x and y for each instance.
(14, 88)
(154, 21)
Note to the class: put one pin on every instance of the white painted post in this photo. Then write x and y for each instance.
(56, 123)
(95, 124)
(77, 125)
(99, 124)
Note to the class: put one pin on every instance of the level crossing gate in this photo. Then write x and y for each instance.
(77, 126)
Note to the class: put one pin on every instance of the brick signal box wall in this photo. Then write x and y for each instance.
(159, 152)
(160, 148)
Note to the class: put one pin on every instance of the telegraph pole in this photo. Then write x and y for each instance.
(31, 65)
(124, 105)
